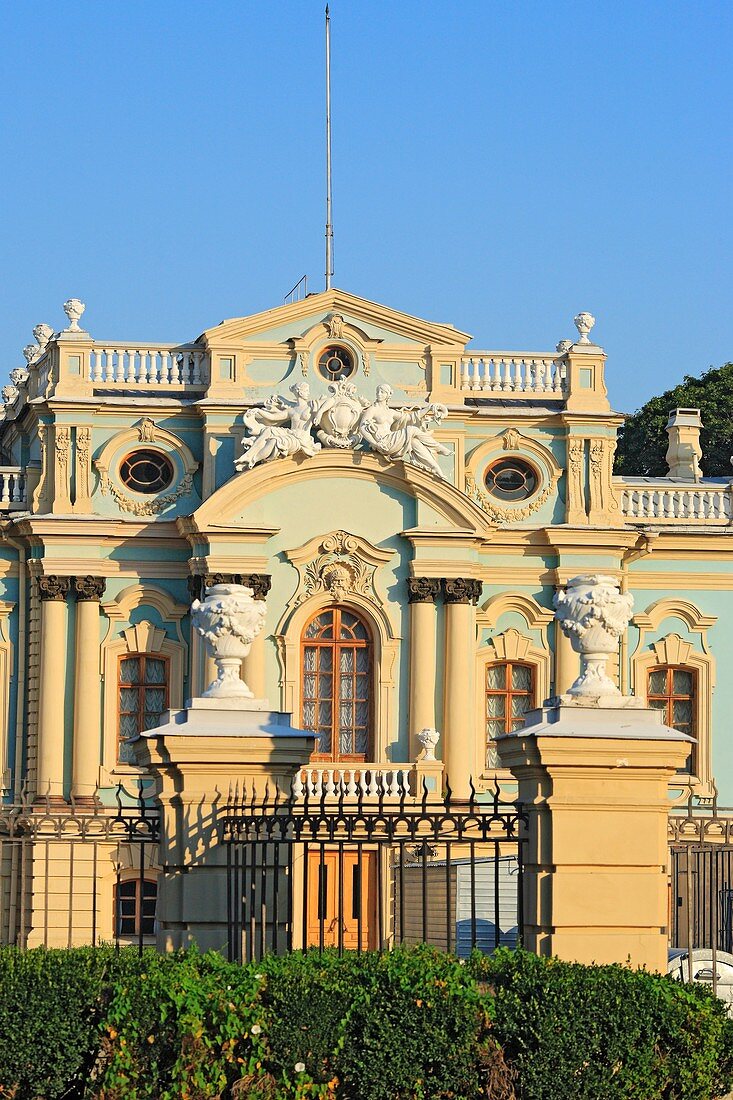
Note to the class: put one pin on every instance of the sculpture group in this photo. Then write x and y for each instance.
(342, 419)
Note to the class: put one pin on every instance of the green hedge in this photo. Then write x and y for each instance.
(96, 1024)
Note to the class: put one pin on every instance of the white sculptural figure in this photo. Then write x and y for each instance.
(339, 415)
(593, 614)
(402, 433)
(228, 619)
(270, 434)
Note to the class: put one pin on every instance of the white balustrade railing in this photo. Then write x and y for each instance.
(12, 489)
(362, 781)
(694, 503)
(155, 365)
(522, 374)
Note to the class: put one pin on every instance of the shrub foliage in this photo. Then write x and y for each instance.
(96, 1024)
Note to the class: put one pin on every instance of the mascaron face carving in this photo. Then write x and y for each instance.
(344, 420)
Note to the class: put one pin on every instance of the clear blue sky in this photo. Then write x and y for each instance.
(496, 165)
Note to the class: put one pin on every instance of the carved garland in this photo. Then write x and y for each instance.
(505, 515)
(145, 507)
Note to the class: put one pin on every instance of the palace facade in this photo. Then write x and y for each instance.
(407, 508)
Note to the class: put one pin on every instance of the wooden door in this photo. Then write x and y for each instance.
(341, 889)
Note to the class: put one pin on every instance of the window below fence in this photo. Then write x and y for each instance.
(134, 907)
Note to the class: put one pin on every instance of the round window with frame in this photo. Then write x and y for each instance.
(511, 480)
(336, 362)
(146, 471)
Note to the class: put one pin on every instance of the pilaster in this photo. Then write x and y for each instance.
(83, 470)
(461, 594)
(53, 591)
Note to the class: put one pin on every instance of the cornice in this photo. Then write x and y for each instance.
(91, 527)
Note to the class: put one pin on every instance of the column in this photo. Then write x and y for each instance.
(253, 665)
(53, 591)
(87, 708)
(422, 592)
(459, 721)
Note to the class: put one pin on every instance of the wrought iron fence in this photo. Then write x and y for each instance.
(369, 872)
(64, 871)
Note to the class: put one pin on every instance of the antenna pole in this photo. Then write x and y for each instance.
(329, 223)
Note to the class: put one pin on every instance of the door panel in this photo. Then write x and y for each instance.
(327, 894)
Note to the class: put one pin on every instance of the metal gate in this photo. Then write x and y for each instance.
(368, 872)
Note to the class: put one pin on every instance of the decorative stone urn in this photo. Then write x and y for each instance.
(428, 738)
(593, 614)
(73, 308)
(228, 619)
(43, 333)
(584, 322)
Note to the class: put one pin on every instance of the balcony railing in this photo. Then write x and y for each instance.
(151, 366)
(658, 500)
(390, 781)
(13, 485)
(521, 374)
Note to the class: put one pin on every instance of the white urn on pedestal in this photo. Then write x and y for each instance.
(593, 614)
(73, 308)
(228, 619)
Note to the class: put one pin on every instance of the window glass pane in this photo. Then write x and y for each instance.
(682, 682)
(347, 660)
(682, 714)
(320, 624)
(361, 714)
(346, 743)
(658, 682)
(325, 659)
(309, 658)
(151, 721)
(496, 677)
(150, 890)
(325, 685)
(520, 705)
(362, 687)
(346, 687)
(521, 678)
(309, 685)
(128, 725)
(130, 670)
(309, 715)
(346, 715)
(362, 659)
(495, 706)
(155, 671)
(324, 713)
(155, 700)
(658, 704)
(492, 756)
(323, 744)
(348, 622)
(129, 699)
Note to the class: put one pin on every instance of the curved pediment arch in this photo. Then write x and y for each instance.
(244, 489)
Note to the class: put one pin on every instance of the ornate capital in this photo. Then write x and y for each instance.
(260, 583)
(89, 588)
(461, 590)
(423, 589)
(53, 587)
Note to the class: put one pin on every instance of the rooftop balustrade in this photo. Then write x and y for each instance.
(656, 499)
(13, 489)
(519, 374)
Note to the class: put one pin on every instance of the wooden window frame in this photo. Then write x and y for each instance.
(508, 663)
(117, 917)
(336, 645)
(140, 688)
(670, 698)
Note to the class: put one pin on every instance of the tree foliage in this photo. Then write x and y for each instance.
(643, 440)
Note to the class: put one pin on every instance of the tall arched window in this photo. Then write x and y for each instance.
(673, 690)
(510, 690)
(336, 686)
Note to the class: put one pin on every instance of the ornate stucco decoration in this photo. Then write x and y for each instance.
(539, 456)
(145, 431)
(228, 620)
(148, 507)
(593, 614)
(344, 420)
(337, 565)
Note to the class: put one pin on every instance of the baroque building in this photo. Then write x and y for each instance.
(408, 509)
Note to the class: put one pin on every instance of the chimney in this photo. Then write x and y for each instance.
(684, 451)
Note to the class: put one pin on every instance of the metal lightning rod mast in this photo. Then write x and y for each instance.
(329, 223)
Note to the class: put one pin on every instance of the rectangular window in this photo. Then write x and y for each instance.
(135, 904)
(226, 368)
(509, 694)
(673, 691)
(142, 697)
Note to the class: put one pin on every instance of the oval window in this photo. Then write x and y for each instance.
(511, 479)
(336, 362)
(146, 471)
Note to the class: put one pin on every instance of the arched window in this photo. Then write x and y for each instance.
(336, 684)
(135, 903)
(673, 690)
(142, 696)
(510, 689)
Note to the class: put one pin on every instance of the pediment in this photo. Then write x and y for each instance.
(292, 322)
